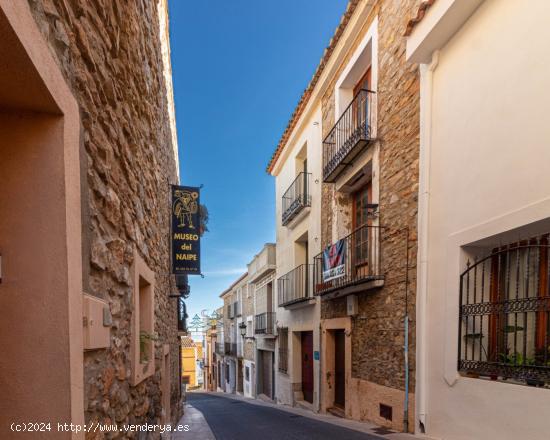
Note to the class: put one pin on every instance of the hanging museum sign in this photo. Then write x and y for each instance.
(334, 261)
(186, 245)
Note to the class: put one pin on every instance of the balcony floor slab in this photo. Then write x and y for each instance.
(350, 290)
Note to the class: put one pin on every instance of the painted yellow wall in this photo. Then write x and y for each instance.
(188, 362)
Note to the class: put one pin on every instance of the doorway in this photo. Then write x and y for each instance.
(307, 366)
(266, 373)
(340, 369)
(240, 378)
(40, 231)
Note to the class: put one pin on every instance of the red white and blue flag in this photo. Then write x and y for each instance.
(334, 257)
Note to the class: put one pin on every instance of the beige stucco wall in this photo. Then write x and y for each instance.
(305, 318)
(487, 173)
(40, 234)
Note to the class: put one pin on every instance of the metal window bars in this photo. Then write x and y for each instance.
(504, 314)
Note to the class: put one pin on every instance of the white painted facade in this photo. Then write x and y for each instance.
(292, 239)
(484, 182)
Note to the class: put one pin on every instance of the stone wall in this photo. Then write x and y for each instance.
(377, 330)
(227, 321)
(248, 310)
(110, 55)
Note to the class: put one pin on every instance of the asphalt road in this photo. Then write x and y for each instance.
(232, 419)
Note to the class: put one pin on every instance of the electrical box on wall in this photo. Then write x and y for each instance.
(97, 323)
(352, 305)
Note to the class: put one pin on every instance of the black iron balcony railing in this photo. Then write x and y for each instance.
(504, 324)
(233, 349)
(220, 348)
(264, 323)
(359, 261)
(296, 197)
(295, 286)
(353, 131)
(227, 347)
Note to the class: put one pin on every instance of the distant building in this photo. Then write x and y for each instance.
(190, 355)
(231, 346)
(261, 276)
(210, 355)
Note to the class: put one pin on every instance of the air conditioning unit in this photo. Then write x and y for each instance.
(352, 305)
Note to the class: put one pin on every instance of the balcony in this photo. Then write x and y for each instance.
(295, 286)
(264, 323)
(220, 348)
(263, 263)
(350, 265)
(296, 198)
(233, 349)
(227, 347)
(352, 132)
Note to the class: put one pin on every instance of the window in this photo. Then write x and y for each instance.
(361, 219)
(143, 324)
(249, 327)
(247, 373)
(283, 350)
(504, 314)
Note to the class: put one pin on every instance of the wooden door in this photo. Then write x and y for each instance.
(307, 366)
(360, 107)
(240, 376)
(361, 238)
(340, 369)
(363, 83)
(266, 372)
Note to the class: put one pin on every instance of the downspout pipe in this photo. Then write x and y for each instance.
(319, 369)
(406, 345)
(426, 88)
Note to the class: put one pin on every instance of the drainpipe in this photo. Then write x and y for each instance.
(319, 397)
(426, 86)
(406, 346)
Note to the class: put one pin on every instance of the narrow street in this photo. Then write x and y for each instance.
(231, 419)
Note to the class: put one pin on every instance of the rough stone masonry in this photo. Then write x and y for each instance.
(377, 331)
(110, 54)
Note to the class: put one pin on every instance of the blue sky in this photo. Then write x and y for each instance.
(239, 68)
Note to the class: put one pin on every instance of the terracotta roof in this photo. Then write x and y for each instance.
(187, 342)
(420, 13)
(352, 5)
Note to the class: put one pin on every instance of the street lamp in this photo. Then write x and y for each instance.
(242, 327)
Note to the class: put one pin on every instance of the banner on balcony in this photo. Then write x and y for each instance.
(334, 261)
(186, 245)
